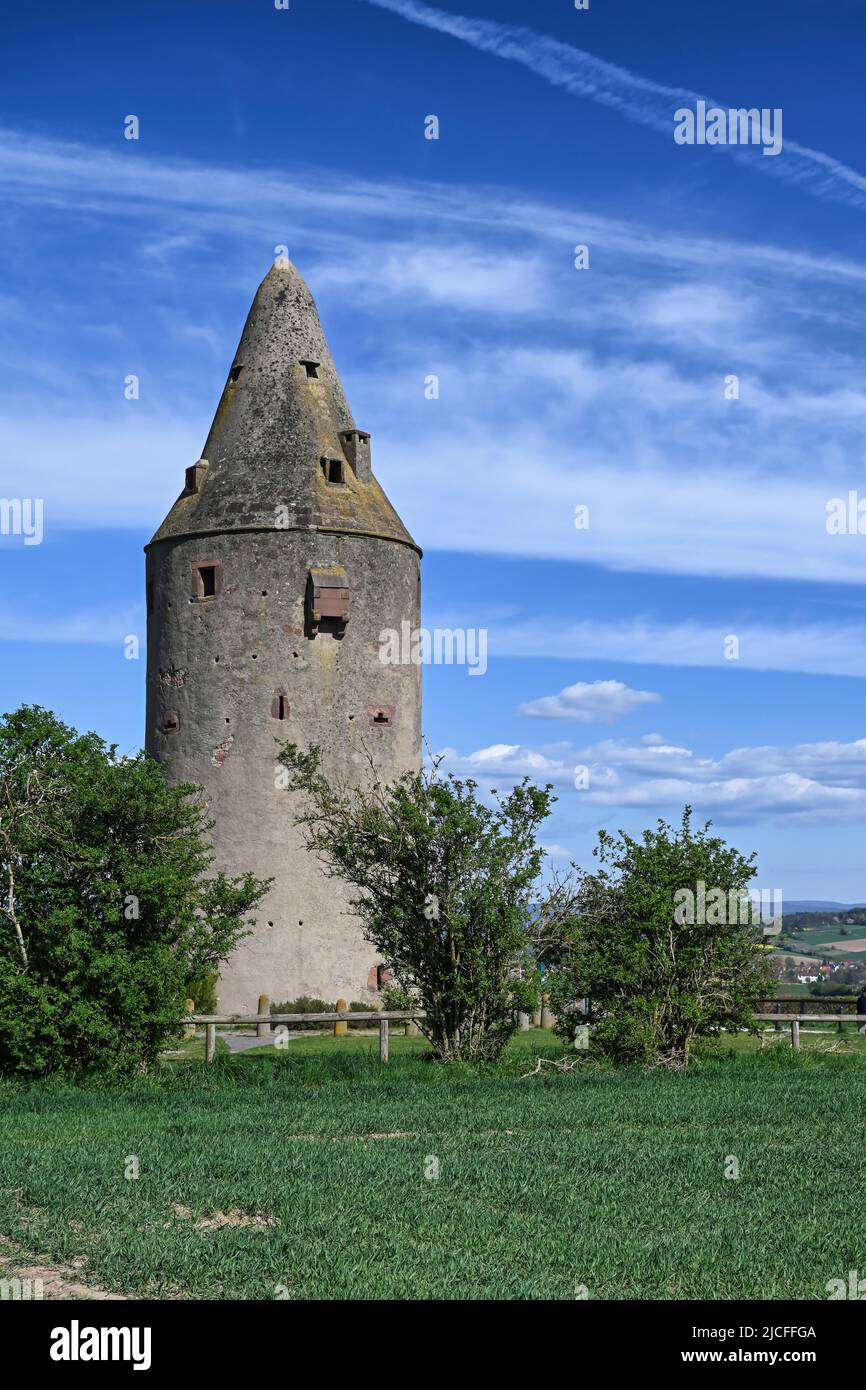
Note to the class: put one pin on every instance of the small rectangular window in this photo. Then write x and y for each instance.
(333, 470)
(312, 369)
(280, 705)
(206, 579)
(194, 476)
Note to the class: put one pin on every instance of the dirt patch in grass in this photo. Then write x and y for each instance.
(58, 1282)
(350, 1138)
(257, 1220)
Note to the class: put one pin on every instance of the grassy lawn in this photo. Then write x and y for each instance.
(792, 989)
(311, 1169)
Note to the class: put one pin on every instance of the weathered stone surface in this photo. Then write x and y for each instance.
(246, 652)
(273, 427)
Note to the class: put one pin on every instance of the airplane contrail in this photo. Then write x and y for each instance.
(636, 98)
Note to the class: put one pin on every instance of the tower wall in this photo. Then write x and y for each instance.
(217, 669)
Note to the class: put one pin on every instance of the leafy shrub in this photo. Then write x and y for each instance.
(109, 908)
(304, 1004)
(397, 1000)
(357, 1006)
(655, 980)
(442, 883)
(202, 990)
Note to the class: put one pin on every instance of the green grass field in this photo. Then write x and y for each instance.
(817, 937)
(311, 1170)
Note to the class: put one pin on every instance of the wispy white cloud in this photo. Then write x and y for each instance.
(827, 648)
(185, 206)
(590, 702)
(560, 389)
(637, 98)
(87, 627)
(555, 851)
(120, 470)
(808, 783)
(459, 274)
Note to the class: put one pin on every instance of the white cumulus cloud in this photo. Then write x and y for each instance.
(590, 702)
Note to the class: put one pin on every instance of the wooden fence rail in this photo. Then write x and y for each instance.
(797, 1019)
(383, 1019)
(210, 1021)
(790, 1004)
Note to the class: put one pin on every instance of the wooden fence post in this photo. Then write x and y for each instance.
(263, 1030)
(340, 1029)
(795, 1034)
(383, 1039)
(210, 1042)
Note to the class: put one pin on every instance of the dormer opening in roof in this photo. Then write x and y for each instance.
(332, 468)
(272, 428)
(194, 476)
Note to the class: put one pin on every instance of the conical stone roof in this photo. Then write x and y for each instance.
(282, 433)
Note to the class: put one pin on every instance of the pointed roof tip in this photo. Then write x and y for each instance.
(281, 274)
(281, 267)
(273, 429)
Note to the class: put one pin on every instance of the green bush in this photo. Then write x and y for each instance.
(397, 1000)
(656, 975)
(443, 884)
(202, 990)
(109, 909)
(304, 1004)
(357, 1006)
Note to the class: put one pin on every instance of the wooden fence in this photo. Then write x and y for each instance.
(800, 1003)
(797, 1019)
(210, 1022)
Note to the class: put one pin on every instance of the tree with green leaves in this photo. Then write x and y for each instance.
(656, 975)
(443, 885)
(108, 907)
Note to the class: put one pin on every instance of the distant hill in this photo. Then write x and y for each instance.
(812, 920)
(816, 905)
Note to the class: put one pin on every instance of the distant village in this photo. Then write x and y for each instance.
(822, 971)
(807, 955)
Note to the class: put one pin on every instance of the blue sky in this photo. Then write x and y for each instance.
(560, 388)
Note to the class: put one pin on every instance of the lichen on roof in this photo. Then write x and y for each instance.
(274, 425)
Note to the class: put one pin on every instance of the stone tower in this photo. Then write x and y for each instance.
(268, 586)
